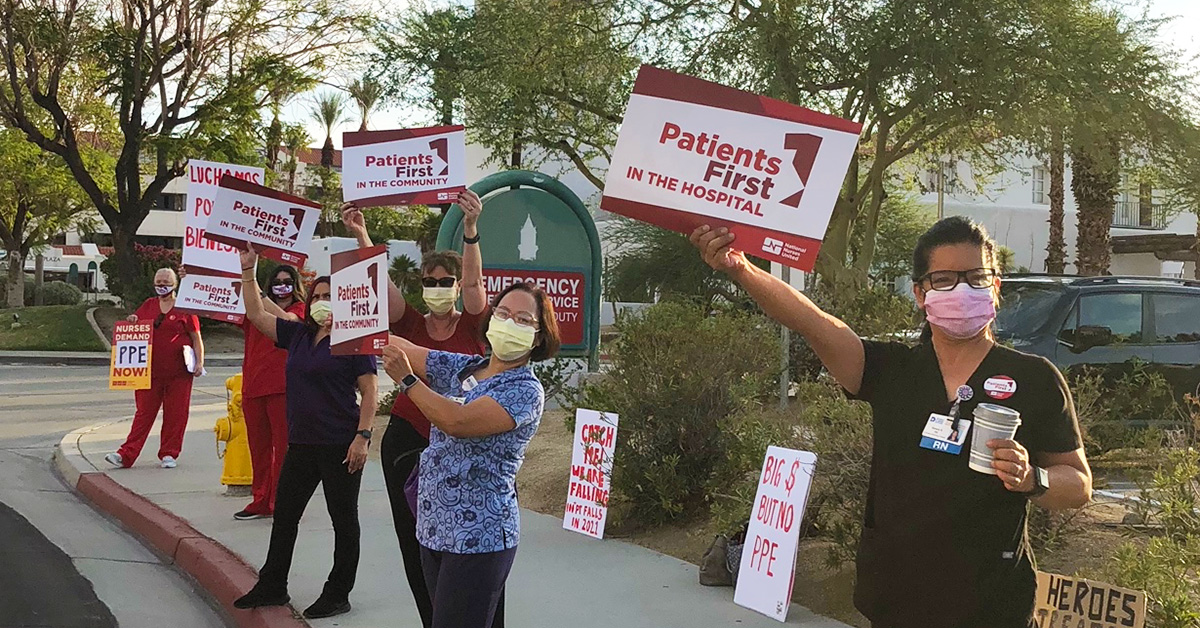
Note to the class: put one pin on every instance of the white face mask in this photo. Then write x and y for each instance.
(510, 341)
(440, 300)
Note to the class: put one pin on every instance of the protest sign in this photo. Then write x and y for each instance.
(360, 305)
(591, 469)
(768, 564)
(1064, 602)
(214, 296)
(130, 365)
(204, 178)
(565, 289)
(692, 152)
(280, 226)
(404, 166)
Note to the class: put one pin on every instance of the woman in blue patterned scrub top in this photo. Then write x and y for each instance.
(484, 412)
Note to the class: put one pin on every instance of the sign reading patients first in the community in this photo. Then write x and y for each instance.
(360, 306)
(1064, 602)
(691, 152)
(404, 166)
(591, 472)
(212, 295)
(204, 178)
(130, 368)
(280, 226)
(768, 565)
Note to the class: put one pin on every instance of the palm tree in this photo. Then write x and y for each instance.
(329, 109)
(366, 92)
(295, 139)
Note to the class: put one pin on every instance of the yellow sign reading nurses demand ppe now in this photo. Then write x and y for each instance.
(130, 365)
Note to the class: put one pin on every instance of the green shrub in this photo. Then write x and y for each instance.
(387, 401)
(27, 301)
(874, 312)
(677, 377)
(60, 293)
(1106, 405)
(150, 259)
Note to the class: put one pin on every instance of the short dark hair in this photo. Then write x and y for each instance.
(548, 341)
(950, 231)
(450, 260)
(300, 294)
(312, 291)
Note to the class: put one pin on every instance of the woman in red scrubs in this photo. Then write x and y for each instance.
(264, 403)
(170, 381)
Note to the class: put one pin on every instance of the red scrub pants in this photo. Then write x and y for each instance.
(267, 431)
(174, 396)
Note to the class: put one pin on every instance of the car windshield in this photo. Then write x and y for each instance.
(1025, 307)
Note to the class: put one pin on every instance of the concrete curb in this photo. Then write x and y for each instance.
(91, 319)
(217, 570)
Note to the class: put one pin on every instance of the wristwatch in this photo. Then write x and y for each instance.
(1041, 482)
(408, 382)
(365, 434)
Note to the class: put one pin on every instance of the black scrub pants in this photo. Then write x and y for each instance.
(304, 467)
(467, 589)
(400, 452)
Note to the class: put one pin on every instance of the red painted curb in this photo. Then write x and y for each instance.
(215, 568)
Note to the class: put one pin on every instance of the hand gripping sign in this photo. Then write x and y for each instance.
(404, 166)
(204, 179)
(768, 565)
(692, 152)
(360, 305)
(130, 367)
(212, 295)
(591, 470)
(280, 226)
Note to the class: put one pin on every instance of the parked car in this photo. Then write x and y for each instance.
(1106, 322)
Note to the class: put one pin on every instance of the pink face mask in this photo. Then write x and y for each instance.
(962, 312)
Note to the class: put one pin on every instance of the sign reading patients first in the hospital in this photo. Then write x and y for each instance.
(204, 179)
(691, 152)
(280, 226)
(130, 366)
(404, 166)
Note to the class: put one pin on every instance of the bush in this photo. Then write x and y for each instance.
(387, 401)
(678, 377)
(27, 301)
(60, 293)
(1106, 404)
(150, 259)
(874, 312)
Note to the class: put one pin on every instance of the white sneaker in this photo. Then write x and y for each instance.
(168, 462)
(115, 460)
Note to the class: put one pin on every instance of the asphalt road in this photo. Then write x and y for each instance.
(62, 564)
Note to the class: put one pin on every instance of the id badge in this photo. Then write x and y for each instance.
(939, 434)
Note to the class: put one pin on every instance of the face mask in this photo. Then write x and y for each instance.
(440, 300)
(509, 340)
(163, 291)
(320, 311)
(281, 289)
(962, 312)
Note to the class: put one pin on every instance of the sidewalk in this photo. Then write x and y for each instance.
(89, 358)
(560, 579)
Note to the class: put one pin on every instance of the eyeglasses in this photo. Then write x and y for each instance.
(520, 318)
(434, 282)
(943, 280)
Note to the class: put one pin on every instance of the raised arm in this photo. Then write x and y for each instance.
(482, 417)
(474, 295)
(837, 346)
(352, 217)
(278, 312)
(252, 297)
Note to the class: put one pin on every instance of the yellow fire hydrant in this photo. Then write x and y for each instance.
(231, 430)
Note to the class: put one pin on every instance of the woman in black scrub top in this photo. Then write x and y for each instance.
(932, 524)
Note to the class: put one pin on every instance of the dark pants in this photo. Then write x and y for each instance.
(304, 467)
(467, 589)
(400, 451)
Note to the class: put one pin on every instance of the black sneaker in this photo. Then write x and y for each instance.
(327, 607)
(246, 515)
(258, 597)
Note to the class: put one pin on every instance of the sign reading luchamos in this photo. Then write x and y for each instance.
(1063, 602)
(692, 152)
(130, 364)
(280, 226)
(204, 178)
(565, 289)
(591, 470)
(360, 305)
(404, 166)
(212, 296)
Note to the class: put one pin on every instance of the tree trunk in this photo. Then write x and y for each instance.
(15, 282)
(128, 267)
(39, 275)
(1196, 250)
(1056, 249)
(1095, 179)
(327, 152)
(274, 139)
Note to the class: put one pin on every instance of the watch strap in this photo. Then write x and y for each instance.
(1041, 482)
(365, 434)
(474, 240)
(408, 382)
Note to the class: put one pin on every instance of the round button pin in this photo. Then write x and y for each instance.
(965, 393)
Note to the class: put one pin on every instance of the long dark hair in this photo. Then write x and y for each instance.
(298, 291)
(308, 301)
(946, 232)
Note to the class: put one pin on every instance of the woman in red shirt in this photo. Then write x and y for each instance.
(264, 403)
(444, 275)
(170, 381)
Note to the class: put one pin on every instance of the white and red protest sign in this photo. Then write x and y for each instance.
(691, 152)
(280, 226)
(768, 565)
(1075, 602)
(360, 307)
(565, 289)
(215, 296)
(404, 166)
(130, 364)
(591, 470)
(204, 178)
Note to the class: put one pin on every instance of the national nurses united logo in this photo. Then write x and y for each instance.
(1000, 387)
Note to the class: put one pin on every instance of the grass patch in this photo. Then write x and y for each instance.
(49, 328)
